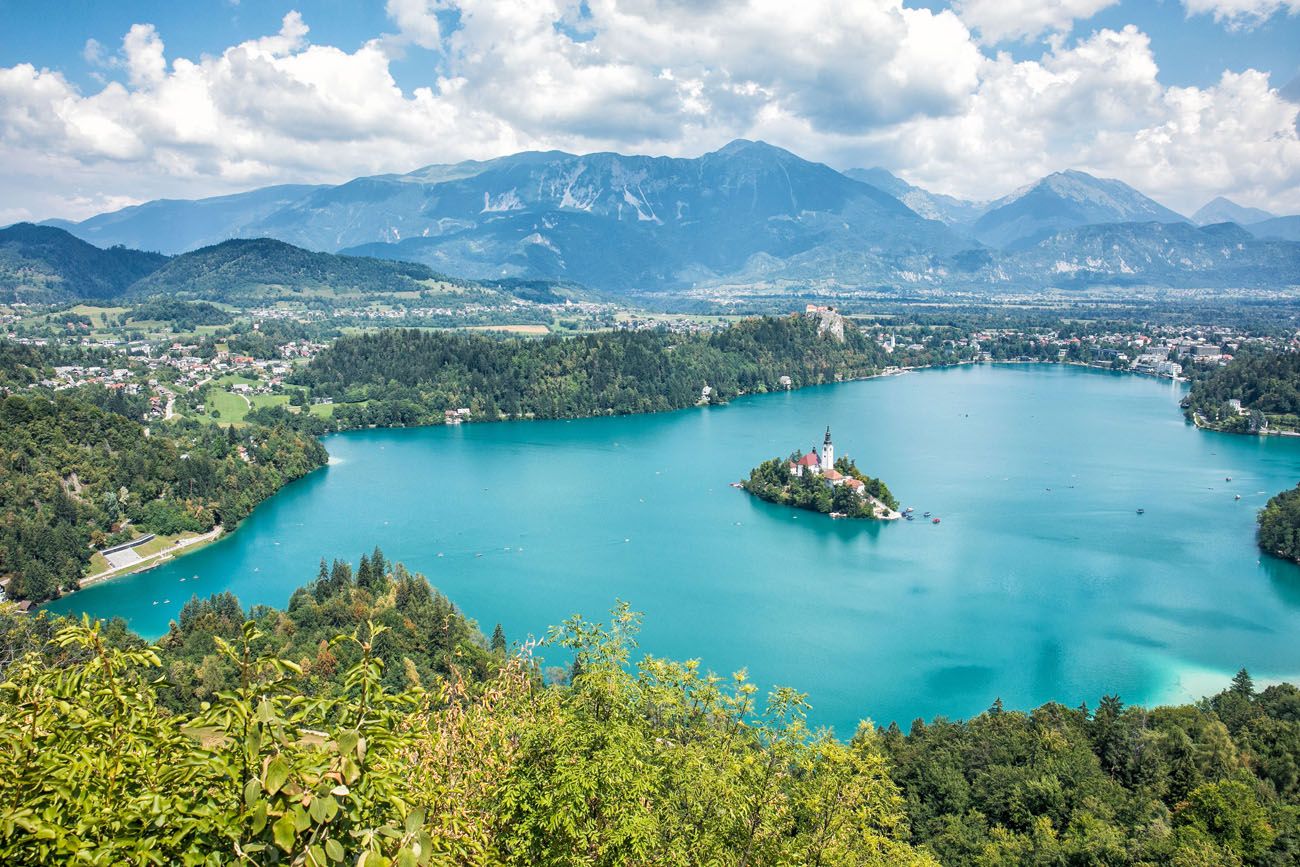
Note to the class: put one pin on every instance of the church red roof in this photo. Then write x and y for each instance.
(809, 460)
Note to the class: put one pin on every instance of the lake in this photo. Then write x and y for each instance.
(1041, 583)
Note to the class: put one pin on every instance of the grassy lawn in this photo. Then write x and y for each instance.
(96, 314)
(159, 543)
(261, 400)
(232, 407)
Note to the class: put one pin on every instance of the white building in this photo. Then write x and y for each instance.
(812, 463)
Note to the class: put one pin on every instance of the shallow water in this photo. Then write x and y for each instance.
(1041, 583)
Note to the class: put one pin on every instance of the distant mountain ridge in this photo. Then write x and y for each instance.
(1283, 228)
(1157, 254)
(1222, 210)
(1065, 200)
(619, 223)
(180, 225)
(608, 221)
(746, 214)
(933, 206)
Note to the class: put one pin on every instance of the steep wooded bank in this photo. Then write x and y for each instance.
(75, 474)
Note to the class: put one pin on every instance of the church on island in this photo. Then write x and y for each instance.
(823, 465)
(815, 481)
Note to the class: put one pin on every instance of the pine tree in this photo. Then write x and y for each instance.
(1243, 684)
(340, 576)
(321, 588)
(498, 640)
(377, 563)
(365, 576)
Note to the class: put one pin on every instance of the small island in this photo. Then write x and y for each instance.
(820, 483)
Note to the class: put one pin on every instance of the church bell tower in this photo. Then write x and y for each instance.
(828, 451)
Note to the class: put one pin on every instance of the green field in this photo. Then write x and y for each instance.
(234, 407)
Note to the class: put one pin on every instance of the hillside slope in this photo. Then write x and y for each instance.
(42, 264)
(249, 267)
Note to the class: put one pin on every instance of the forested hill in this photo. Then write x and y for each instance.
(73, 473)
(41, 264)
(371, 723)
(1267, 384)
(260, 266)
(411, 377)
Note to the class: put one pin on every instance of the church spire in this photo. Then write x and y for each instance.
(827, 441)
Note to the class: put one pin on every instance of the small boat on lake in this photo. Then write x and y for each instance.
(1142, 511)
(1237, 497)
(926, 515)
(935, 521)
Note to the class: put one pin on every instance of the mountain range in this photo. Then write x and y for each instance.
(747, 214)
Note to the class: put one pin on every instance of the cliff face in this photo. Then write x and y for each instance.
(829, 323)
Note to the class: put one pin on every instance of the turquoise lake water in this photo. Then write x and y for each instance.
(1041, 583)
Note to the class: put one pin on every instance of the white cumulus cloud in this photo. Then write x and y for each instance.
(1241, 14)
(1098, 106)
(999, 20)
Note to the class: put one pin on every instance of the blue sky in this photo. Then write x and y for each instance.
(106, 104)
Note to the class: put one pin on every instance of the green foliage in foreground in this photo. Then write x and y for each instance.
(1279, 525)
(659, 764)
(110, 758)
(426, 638)
(773, 481)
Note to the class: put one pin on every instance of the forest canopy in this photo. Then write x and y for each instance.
(1266, 383)
(406, 376)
